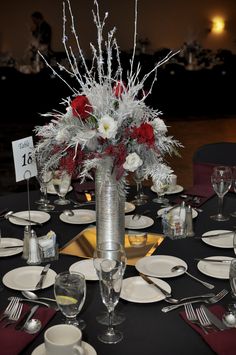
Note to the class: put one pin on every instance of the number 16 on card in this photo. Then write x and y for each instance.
(23, 155)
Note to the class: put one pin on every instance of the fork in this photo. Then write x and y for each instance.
(14, 316)
(205, 322)
(211, 300)
(193, 317)
(11, 306)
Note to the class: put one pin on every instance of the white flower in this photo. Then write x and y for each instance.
(107, 127)
(69, 113)
(132, 162)
(159, 125)
(62, 136)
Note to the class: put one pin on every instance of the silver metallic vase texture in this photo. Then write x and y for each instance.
(110, 205)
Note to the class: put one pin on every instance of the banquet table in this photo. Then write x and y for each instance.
(147, 330)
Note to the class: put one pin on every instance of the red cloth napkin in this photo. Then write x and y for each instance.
(14, 341)
(222, 342)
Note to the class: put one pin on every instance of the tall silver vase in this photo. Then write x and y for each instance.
(110, 205)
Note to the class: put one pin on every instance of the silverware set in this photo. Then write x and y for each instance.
(212, 300)
(203, 318)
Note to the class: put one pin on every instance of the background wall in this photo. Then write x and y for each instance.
(166, 23)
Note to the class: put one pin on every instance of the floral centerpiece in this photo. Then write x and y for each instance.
(106, 117)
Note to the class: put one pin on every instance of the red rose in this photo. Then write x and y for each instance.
(81, 107)
(119, 88)
(144, 134)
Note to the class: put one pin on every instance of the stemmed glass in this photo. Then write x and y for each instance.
(233, 214)
(110, 281)
(140, 198)
(70, 293)
(61, 180)
(109, 250)
(160, 188)
(44, 178)
(221, 180)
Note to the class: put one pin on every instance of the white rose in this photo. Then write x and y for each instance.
(107, 127)
(159, 125)
(132, 162)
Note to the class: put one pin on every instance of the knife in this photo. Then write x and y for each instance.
(213, 319)
(223, 261)
(25, 220)
(27, 316)
(11, 247)
(216, 235)
(149, 281)
(42, 276)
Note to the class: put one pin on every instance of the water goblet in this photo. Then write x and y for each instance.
(61, 181)
(221, 180)
(233, 214)
(109, 250)
(160, 188)
(140, 198)
(70, 293)
(232, 278)
(110, 281)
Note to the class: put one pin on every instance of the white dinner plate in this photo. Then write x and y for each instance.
(37, 216)
(136, 289)
(80, 217)
(172, 190)
(86, 268)
(7, 242)
(138, 223)
(217, 270)
(26, 278)
(129, 207)
(160, 266)
(162, 210)
(51, 190)
(89, 350)
(224, 241)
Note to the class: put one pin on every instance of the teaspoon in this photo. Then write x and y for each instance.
(32, 296)
(181, 268)
(33, 326)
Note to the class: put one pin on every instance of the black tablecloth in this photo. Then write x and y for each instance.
(147, 330)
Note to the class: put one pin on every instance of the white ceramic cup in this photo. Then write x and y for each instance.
(63, 339)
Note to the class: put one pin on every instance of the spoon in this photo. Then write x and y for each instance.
(176, 301)
(32, 296)
(68, 213)
(181, 268)
(33, 326)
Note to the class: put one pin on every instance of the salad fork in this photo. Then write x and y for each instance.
(193, 317)
(211, 300)
(14, 316)
(10, 308)
(205, 322)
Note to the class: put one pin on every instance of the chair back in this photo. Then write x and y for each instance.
(210, 155)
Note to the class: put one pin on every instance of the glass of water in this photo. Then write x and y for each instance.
(221, 180)
(232, 277)
(61, 180)
(70, 293)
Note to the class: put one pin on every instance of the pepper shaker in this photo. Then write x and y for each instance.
(25, 254)
(189, 222)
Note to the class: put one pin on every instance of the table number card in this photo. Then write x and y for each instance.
(25, 165)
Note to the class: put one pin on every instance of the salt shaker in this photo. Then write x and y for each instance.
(189, 222)
(34, 252)
(25, 253)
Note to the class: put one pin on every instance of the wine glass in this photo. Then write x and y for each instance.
(70, 293)
(233, 214)
(140, 198)
(61, 180)
(221, 180)
(109, 250)
(110, 281)
(160, 188)
(44, 178)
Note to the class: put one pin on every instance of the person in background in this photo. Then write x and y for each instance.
(41, 37)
